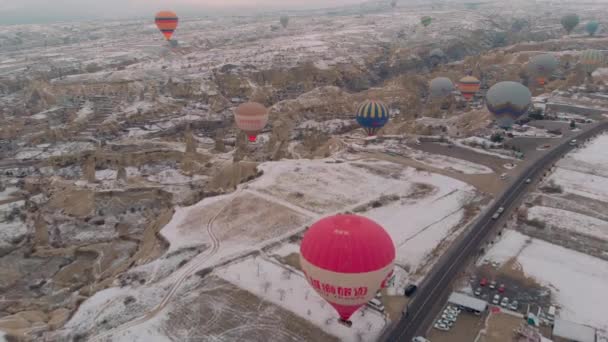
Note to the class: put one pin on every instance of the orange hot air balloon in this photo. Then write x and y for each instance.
(166, 21)
(251, 118)
(347, 259)
(468, 86)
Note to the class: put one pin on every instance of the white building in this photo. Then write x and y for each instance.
(565, 331)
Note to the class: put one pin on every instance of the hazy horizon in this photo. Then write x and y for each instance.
(44, 11)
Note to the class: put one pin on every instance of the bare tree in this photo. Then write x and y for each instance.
(281, 294)
(266, 286)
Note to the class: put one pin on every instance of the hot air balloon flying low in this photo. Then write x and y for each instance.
(508, 101)
(166, 21)
(426, 20)
(441, 87)
(591, 60)
(468, 86)
(284, 21)
(542, 66)
(251, 118)
(346, 259)
(372, 115)
(592, 27)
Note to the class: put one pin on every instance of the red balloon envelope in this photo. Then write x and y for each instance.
(346, 259)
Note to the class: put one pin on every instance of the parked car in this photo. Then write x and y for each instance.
(420, 339)
(496, 299)
(410, 289)
(514, 305)
(493, 284)
(528, 181)
(501, 288)
(495, 216)
(504, 176)
(478, 291)
(448, 317)
(500, 210)
(504, 302)
(483, 282)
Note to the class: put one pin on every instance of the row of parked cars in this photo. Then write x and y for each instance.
(448, 318)
(504, 302)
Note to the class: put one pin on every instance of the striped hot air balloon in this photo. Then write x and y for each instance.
(591, 60)
(251, 118)
(166, 21)
(468, 86)
(372, 115)
(346, 259)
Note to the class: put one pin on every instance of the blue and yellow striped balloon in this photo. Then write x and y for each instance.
(372, 115)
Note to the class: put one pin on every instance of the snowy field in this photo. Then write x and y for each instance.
(592, 158)
(578, 281)
(450, 163)
(582, 184)
(568, 220)
(287, 288)
(284, 200)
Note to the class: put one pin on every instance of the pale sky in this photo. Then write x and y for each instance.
(12, 11)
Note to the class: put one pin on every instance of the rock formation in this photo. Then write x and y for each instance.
(219, 140)
(88, 169)
(121, 175)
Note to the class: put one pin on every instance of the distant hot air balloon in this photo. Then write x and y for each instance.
(251, 118)
(372, 115)
(426, 20)
(441, 87)
(394, 3)
(570, 21)
(468, 86)
(542, 66)
(508, 101)
(592, 27)
(284, 21)
(591, 60)
(166, 21)
(347, 259)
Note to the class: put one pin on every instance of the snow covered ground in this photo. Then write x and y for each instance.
(578, 280)
(54, 150)
(582, 184)
(289, 196)
(278, 284)
(592, 158)
(450, 163)
(568, 220)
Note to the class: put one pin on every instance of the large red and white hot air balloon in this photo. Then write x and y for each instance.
(347, 259)
(251, 118)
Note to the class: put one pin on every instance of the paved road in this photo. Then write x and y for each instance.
(436, 287)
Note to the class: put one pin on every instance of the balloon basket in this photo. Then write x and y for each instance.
(345, 323)
(252, 138)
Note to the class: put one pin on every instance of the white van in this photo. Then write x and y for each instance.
(376, 304)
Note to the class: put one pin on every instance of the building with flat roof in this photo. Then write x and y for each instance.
(566, 331)
(468, 302)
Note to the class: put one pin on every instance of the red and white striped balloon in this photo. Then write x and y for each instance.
(347, 259)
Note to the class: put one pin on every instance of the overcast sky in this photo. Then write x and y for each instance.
(14, 11)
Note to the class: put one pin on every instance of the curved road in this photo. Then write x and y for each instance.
(436, 287)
